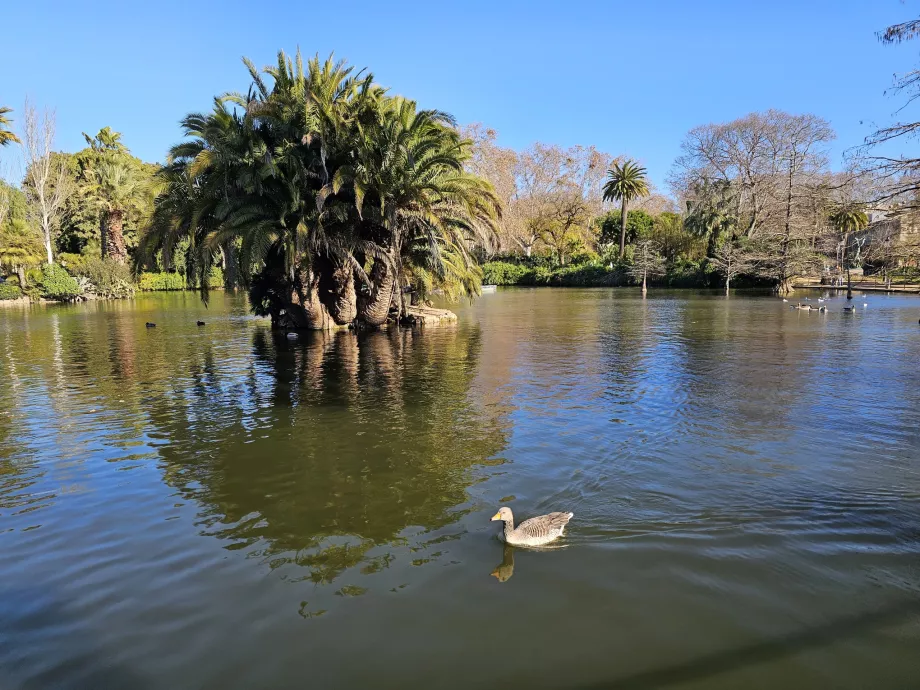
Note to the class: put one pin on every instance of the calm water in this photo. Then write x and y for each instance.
(214, 507)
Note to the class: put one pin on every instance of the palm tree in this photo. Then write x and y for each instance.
(710, 214)
(338, 196)
(20, 248)
(847, 219)
(117, 190)
(418, 203)
(6, 136)
(625, 183)
(113, 187)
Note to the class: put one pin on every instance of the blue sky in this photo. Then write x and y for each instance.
(628, 77)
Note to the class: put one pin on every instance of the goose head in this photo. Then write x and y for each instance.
(503, 514)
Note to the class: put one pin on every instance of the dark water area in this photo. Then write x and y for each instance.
(218, 507)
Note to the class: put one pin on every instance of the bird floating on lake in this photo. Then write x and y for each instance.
(536, 531)
(150, 325)
(292, 336)
(201, 323)
(785, 300)
(853, 308)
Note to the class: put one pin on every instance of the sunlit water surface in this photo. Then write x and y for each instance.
(215, 507)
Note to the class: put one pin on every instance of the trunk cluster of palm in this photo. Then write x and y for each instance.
(339, 203)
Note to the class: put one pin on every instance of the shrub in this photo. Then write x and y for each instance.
(502, 273)
(57, 283)
(9, 291)
(74, 263)
(12, 280)
(161, 281)
(107, 278)
(34, 276)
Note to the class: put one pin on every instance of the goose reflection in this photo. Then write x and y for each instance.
(504, 570)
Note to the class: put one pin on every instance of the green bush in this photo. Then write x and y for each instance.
(9, 291)
(107, 277)
(34, 276)
(161, 281)
(501, 273)
(57, 283)
(12, 280)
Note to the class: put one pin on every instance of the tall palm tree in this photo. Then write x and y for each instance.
(112, 185)
(625, 183)
(6, 136)
(847, 219)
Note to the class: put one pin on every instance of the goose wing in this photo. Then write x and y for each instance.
(544, 525)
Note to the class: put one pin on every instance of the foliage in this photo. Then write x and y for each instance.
(107, 277)
(670, 234)
(638, 224)
(161, 281)
(502, 273)
(9, 291)
(331, 188)
(114, 187)
(57, 283)
(6, 136)
(710, 212)
(626, 182)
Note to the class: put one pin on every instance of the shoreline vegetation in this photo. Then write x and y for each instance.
(334, 203)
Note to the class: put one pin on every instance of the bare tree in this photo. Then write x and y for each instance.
(646, 263)
(47, 184)
(564, 221)
(731, 260)
(539, 187)
(770, 171)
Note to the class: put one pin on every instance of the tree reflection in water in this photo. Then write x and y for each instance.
(333, 445)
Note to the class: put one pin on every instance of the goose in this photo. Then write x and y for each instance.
(853, 308)
(201, 323)
(785, 300)
(821, 299)
(533, 532)
(822, 308)
(150, 325)
(292, 336)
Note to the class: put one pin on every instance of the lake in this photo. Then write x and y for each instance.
(220, 507)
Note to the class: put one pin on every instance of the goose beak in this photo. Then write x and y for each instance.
(497, 516)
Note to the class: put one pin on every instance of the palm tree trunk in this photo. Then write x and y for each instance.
(374, 305)
(103, 236)
(115, 242)
(623, 229)
(343, 306)
(307, 310)
(231, 265)
(21, 273)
